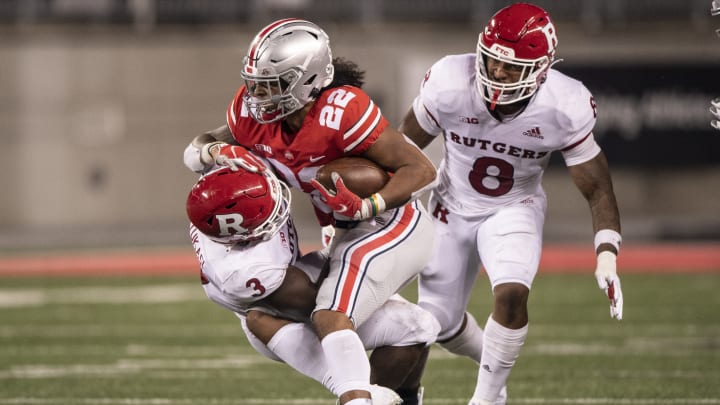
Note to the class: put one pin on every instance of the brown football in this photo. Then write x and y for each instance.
(362, 176)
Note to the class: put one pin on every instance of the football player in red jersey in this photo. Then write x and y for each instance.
(299, 109)
(489, 205)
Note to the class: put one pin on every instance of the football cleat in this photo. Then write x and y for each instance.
(501, 399)
(411, 396)
(384, 396)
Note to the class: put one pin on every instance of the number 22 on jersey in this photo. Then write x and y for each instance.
(331, 113)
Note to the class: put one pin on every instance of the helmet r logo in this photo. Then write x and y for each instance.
(551, 36)
(228, 222)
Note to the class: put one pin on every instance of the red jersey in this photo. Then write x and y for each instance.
(343, 121)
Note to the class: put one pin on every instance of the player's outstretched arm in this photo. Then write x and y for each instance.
(593, 180)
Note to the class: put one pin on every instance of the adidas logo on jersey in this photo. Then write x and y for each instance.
(534, 133)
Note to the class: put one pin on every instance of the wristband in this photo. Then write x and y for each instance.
(608, 236)
(377, 204)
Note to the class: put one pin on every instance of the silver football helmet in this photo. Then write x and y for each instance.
(287, 64)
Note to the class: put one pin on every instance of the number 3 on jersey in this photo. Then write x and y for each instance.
(491, 176)
(257, 286)
(332, 112)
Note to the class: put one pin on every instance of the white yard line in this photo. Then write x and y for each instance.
(128, 366)
(28, 297)
(318, 401)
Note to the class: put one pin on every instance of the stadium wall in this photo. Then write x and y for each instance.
(94, 121)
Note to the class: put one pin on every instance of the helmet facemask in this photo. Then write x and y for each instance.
(533, 73)
(282, 197)
(276, 99)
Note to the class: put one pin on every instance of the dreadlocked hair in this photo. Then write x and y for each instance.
(347, 73)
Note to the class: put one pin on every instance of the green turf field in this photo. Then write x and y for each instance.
(158, 341)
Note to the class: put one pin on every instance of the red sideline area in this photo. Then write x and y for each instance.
(655, 258)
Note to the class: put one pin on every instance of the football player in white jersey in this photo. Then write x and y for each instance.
(250, 263)
(501, 112)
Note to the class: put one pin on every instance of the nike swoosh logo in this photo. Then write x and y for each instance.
(314, 159)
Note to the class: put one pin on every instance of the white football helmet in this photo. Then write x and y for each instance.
(287, 64)
(523, 35)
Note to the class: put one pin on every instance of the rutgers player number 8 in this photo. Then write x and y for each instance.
(492, 176)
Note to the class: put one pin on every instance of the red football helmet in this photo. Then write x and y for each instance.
(238, 206)
(521, 34)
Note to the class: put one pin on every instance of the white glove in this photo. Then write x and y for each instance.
(608, 280)
(715, 110)
(191, 158)
(233, 156)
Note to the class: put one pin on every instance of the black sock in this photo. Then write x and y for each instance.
(408, 395)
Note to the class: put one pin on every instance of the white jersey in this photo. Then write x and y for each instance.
(489, 164)
(239, 276)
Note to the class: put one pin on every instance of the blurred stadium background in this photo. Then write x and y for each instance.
(98, 99)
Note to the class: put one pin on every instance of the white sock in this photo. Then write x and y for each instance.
(469, 342)
(501, 349)
(348, 364)
(298, 346)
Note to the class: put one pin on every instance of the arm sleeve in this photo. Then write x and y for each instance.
(581, 152)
